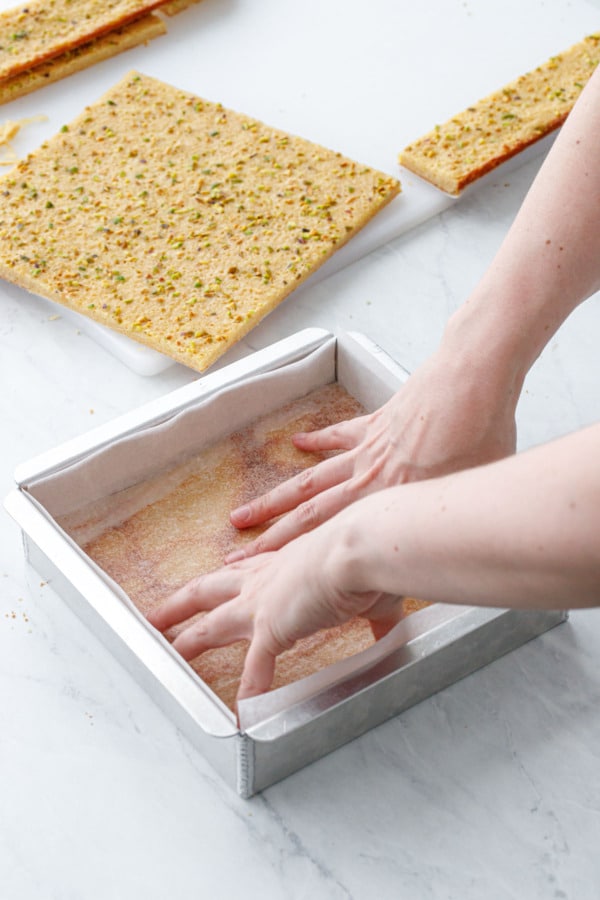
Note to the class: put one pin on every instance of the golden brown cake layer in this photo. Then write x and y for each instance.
(36, 32)
(176, 221)
(82, 57)
(494, 129)
(177, 526)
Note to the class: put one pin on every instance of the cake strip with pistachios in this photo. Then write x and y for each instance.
(139, 32)
(176, 221)
(32, 35)
(494, 129)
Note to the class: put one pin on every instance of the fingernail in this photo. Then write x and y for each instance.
(241, 514)
(234, 556)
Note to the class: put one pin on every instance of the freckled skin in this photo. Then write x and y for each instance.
(448, 433)
(162, 546)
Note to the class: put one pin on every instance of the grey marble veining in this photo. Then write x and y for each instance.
(489, 789)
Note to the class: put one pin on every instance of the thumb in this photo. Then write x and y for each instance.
(259, 669)
(384, 614)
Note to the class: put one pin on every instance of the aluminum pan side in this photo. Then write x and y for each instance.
(441, 645)
(142, 648)
(366, 706)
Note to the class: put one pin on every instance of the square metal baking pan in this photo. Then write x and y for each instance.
(287, 728)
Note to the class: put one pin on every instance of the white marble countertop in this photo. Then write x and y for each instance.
(491, 788)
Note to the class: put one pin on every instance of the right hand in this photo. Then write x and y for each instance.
(445, 418)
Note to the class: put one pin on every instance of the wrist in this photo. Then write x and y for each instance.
(351, 556)
(490, 346)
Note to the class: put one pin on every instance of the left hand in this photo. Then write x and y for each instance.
(272, 600)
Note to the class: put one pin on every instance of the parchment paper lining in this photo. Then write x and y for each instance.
(142, 455)
(136, 457)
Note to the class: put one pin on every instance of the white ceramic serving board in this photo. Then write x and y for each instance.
(360, 85)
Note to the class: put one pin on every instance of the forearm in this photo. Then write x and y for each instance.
(549, 261)
(458, 409)
(522, 532)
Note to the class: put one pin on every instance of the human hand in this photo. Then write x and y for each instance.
(447, 417)
(272, 600)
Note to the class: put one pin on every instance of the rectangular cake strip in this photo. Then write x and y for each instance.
(494, 129)
(139, 32)
(31, 35)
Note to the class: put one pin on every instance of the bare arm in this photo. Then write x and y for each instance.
(549, 261)
(458, 409)
(515, 531)
(520, 532)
